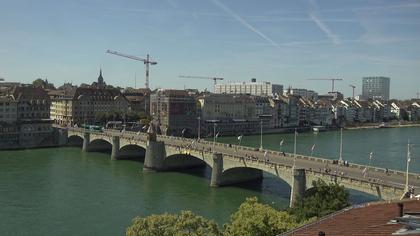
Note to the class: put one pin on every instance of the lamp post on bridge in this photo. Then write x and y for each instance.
(261, 128)
(294, 150)
(408, 165)
(341, 147)
(199, 128)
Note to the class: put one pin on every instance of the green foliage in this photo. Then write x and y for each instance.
(186, 223)
(321, 200)
(251, 219)
(256, 219)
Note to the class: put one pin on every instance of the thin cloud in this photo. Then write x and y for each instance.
(244, 22)
(321, 25)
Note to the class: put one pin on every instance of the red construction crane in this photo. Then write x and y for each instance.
(215, 79)
(146, 61)
(332, 82)
(353, 87)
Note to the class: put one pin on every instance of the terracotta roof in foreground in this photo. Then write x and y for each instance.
(368, 219)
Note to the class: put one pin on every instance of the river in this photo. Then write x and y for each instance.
(63, 191)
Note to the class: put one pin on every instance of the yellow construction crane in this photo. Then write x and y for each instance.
(215, 79)
(332, 82)
(146, 61)
(353, 87)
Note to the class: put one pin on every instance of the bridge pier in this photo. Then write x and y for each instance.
(298, 185)
(86, 141)
(217, 169)
(155, 156)
(115, 153)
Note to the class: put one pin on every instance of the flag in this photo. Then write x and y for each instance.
(217, 135)
(239, 137)
(313, 148)
(281, 142)
(183, 131)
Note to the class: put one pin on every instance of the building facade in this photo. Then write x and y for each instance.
(174, 112)
(252, 88)
(376, 88)
(87, 105)
(25, 121)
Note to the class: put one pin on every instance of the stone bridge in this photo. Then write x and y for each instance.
(232, 164)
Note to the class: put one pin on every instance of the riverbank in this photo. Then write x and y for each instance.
(376, 126)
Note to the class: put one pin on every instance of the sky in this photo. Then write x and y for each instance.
(281, 41)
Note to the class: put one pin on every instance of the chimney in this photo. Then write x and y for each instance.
(401, 209)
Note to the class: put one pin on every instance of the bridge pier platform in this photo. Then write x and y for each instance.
(298, 186)
(155, 156)
(115, 153)
(217, 169)
(86, 141)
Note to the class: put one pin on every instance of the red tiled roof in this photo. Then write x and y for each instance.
(370, 219)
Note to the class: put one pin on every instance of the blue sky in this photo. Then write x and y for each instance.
(280, 41)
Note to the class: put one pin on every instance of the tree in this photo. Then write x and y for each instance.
(256, 219)
(321, 200)
(186, 223)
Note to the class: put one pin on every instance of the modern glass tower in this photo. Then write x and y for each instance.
(376, 87)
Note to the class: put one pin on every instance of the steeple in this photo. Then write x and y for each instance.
(100, 78)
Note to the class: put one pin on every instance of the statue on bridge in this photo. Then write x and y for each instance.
(151, 132)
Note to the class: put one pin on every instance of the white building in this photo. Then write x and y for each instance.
(252, 88)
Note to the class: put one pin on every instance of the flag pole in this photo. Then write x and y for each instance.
(408, 164)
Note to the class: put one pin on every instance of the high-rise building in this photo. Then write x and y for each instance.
(376, 87)
(251, 88)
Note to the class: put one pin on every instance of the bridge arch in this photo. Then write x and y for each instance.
(75, 140)
(99, 145)
(248, 173)
(132, 151)
(182, 161)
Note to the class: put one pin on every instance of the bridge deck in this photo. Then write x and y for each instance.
(374, 175)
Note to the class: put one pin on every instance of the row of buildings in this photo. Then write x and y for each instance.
(176, 112)
(29, 111)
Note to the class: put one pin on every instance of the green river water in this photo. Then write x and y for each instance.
(63, 191)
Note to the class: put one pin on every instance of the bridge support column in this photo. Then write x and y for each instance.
(62, 137)
(115, 153)
(216, 173)
(155, 156)
(298, 186)
(86, 141)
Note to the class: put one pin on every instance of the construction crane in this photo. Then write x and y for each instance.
(146, 61)
(353, 87)
(215, 79)
(332, 82)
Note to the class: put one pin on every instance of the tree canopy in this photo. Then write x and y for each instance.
(256, 219)
(251, 219)
(321, 200)
(186, 223)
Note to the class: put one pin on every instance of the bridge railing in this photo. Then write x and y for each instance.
(245, 148)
